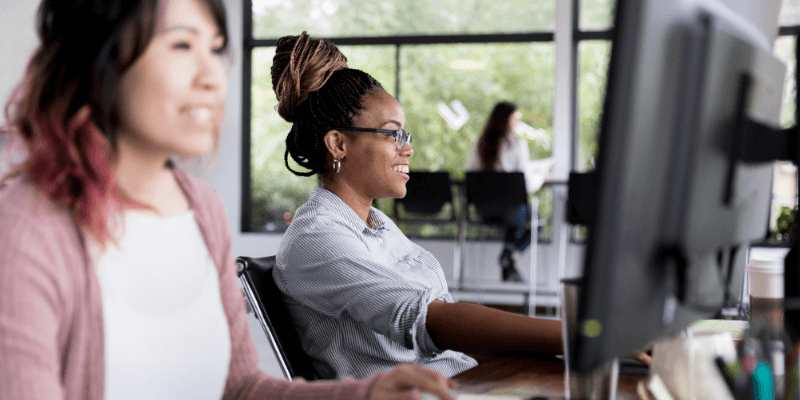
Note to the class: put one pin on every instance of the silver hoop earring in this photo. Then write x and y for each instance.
(336, 165)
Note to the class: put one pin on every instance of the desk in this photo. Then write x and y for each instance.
(528, 377)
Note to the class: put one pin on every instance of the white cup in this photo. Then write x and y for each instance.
(766, 290)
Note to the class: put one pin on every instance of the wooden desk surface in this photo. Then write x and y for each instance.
(526, 377)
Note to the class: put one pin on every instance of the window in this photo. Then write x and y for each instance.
(477, 76)
(593, 55)
(596, 15)
(369, 18)
(592, 52)
(784, 185)
(593, 58)
(427, 54)
(432, 53)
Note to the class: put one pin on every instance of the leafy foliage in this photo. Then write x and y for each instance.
(478, 75)
(339, 18)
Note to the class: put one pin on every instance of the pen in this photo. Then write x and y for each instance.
(762, 382)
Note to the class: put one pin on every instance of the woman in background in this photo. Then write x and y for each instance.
(116, 273)
(498, 149)
(362, 296)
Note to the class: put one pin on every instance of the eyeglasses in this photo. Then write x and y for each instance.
(401, 137)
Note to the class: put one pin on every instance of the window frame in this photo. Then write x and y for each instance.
(786, 31)
(578, 35)
(251, 43)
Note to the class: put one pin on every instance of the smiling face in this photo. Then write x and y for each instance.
(372, 165)
(172, 98)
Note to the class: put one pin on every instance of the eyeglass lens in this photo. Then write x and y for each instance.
(401, 138)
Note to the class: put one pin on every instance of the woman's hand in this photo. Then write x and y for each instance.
(408, 381)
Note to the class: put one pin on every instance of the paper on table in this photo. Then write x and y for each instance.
(734, 328)
(486, 397)
(536, 172)
(469, 396)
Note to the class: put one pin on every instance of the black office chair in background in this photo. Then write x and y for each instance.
(500, 200)
(498, 197)
(266, 302)
(426, 194)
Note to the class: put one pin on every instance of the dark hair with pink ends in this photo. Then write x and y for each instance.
(65, 110)
(86, 184)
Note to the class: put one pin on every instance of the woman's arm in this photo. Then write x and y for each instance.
(40, 257)
(245, 380)
(475, 329)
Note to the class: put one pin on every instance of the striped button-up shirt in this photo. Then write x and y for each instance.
(358, 296)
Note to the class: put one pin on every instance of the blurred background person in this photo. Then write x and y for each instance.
(499, 149)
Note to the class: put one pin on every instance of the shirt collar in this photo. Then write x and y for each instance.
(335, 204)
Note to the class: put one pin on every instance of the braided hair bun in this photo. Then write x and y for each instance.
(302, 65)
(316, 92)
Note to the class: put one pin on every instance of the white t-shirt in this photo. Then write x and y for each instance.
(166, 334)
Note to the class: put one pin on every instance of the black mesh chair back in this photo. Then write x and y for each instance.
(266, 301)
(426, 193)
(497, 196)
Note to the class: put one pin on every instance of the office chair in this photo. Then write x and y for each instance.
(498, 197)
(266, 301)
(426, 194)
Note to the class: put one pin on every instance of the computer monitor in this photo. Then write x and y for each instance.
(675, 210)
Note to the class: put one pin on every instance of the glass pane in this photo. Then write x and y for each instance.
(790, 13)
(274, 188)
(784, 49)
(596, 15)
(341, 18)
(784, 193)
(593, 58)
(475, 77)
(784, 186)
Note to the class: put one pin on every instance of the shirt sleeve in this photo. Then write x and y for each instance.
(328, 268)
(32, 307)
(245, 380)
(523, 154)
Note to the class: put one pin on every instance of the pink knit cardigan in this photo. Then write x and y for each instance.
(51, 321)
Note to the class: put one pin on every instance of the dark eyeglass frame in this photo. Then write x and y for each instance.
(401, 137)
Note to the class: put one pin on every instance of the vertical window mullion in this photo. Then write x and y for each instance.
(397, 72)
(564, 87)
(573, 94)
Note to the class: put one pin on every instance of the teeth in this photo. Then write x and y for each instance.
(200, 114)
(401, 168)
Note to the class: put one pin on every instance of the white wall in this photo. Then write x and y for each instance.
(18, 42)
(762, 13)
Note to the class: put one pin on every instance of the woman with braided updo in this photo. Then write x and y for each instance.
(362, 296)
